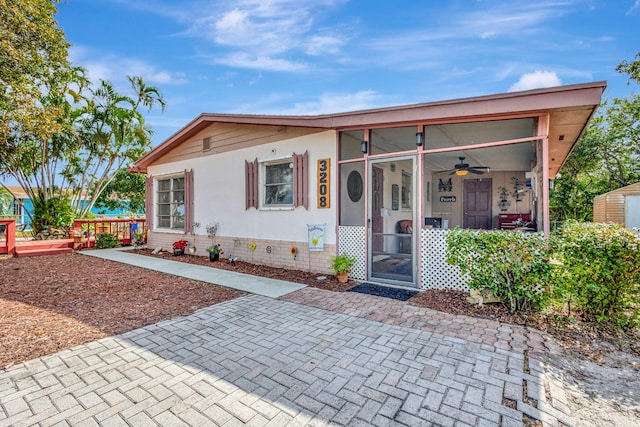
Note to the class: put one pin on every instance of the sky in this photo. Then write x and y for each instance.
(297, 57)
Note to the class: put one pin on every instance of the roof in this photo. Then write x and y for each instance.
(572, 105)
(632, 189)
(19, 193)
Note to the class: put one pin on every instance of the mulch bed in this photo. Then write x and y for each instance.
(316, 280)
(51, 303)
(55, 302)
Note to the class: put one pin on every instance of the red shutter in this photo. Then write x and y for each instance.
(251, 184)
(188, 201)
(149, 202)
(301, 179)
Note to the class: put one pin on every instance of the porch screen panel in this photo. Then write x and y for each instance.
(352, 194)
(350, 144)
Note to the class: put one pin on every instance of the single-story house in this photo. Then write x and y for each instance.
(383, 184)
(621, 206)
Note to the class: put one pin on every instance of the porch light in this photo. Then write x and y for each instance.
(363, 146)
(419, 139)
(462, 172)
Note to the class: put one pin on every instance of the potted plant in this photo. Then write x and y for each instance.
(179, 247)
(214, 252)
(341, 265)
(138, 240)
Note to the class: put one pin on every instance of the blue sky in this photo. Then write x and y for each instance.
(328, 56)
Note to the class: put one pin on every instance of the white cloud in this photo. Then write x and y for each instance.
(271, 34)
(115, 68)
(260, 62)
(334, 103)
(635, 7)
(538, 79)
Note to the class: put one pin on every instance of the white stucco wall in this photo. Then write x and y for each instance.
(219, 191)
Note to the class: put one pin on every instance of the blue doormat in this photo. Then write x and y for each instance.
(383, 291)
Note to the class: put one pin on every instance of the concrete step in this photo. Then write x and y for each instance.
(43, 251)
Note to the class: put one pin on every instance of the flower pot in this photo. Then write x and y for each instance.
(213, 257)
(178, 252)
(343, 277)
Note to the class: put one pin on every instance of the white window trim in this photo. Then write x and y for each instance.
(156, 228)
(262, 164)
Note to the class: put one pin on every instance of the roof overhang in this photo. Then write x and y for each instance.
(569, 107)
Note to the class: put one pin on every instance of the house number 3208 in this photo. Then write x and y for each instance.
(324, 183)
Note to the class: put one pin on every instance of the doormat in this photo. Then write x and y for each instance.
(383, 291)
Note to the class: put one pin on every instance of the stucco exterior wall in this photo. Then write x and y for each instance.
(219, 197)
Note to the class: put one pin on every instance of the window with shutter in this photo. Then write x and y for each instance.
(285, 182)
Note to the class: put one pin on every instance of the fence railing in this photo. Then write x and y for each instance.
(7, 236)
(85, 230)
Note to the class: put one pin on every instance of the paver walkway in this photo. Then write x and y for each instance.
(319, 358)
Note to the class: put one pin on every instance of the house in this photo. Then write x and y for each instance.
(383, 184)
(22, 205)
(621, 206)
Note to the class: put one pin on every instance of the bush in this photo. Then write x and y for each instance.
(107, 240)
(52, 212)
(514, 266)
(601, 271)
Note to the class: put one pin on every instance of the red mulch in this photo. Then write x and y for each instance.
(55, 302)
(51, 303)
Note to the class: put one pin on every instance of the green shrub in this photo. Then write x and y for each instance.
(601, 271)
(514, 266)
(107, 240)
(52, 212)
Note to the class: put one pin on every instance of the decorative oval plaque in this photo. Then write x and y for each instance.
(354, 186)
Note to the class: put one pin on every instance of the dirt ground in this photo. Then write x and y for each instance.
(51, 303)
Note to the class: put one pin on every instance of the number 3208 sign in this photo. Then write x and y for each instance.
(324, 183)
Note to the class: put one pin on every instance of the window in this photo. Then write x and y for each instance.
(406, 190)
(283, 182)
(170, 204)
(278, 184)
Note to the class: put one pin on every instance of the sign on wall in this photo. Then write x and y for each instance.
(316, 237)
(324, 183)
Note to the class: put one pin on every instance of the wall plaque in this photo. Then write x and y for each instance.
(447, 199)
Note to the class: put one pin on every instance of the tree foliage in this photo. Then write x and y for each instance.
(125, 191)
(33, 57)
(606, 157)
(109, 133)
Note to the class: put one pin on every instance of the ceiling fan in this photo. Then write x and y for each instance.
(462, 168)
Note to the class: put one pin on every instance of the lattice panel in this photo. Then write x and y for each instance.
(436, 273)
(351, 240)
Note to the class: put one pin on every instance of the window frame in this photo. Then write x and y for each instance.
(263, 192)
(173, 204)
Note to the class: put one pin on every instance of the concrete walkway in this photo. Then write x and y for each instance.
(244, 282)
(310, 358)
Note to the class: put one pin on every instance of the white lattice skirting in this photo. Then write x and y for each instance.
(351, 241)
(436, 273)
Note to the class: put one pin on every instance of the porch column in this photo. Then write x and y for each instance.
(543, 129)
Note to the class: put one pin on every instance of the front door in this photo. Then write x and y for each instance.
(477, 204)
(392, 234)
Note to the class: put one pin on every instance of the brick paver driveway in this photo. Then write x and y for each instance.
(261, 361)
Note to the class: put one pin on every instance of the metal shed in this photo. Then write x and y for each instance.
(621, 206)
